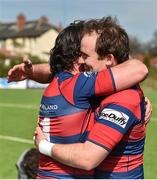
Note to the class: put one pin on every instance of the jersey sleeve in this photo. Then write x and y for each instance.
(87, 85)
(114, 121)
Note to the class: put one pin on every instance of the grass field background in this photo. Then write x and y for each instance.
(18, 116)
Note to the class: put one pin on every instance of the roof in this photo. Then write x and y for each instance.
(31, 29)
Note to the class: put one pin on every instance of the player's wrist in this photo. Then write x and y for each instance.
(30, 72)
(45, 147)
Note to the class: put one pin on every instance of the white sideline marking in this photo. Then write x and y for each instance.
(25, 106)
(16, 139)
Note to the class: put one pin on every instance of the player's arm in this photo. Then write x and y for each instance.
(107, 81)
(80, 155)
(105, 135)
(41, 73)
(129, 73)
(148, 112)
(26, 70)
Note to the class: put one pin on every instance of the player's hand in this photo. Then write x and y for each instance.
(21, 71)
(38, 136)
(148, 110)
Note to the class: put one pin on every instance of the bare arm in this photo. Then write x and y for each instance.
(129, 73)
(26, 70)
(80, 155)
(148, 112)
(41, 73)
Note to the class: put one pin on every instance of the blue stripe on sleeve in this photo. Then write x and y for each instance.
(84, 89)
(127, 148)
(113, 81)
(107, 149)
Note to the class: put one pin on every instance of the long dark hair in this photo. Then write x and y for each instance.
(67, 48)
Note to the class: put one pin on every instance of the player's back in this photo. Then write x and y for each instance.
(62, 123)
(66, 114)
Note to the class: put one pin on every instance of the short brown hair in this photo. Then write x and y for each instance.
(112, 38)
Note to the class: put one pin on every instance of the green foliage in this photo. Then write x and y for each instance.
(135, 45)
(152, 45)
(36, 59)
(150, 83)
(149, 48)
(4, 67)
(153, 73)
(146, 61)
(16, 43)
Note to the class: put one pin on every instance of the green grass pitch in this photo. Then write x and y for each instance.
(18, 116)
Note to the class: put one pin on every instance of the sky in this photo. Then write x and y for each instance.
(137, 17)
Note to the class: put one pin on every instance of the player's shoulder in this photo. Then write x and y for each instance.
(130, 96)
(52, 88)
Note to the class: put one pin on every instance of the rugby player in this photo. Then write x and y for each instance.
(48, 110)
(119, 131)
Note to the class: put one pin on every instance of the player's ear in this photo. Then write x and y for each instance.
(110, 60)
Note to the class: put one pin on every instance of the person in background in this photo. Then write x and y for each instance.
(27, 164)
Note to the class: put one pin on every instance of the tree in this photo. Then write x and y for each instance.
(4, 67)
(136, 46)
(152, 45)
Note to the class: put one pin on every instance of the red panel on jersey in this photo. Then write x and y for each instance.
(67, 88)
(136, 133)
(104, 83)
(52, 89)
(105, 135)
(121, 163)
(46, 165)
(71, 124)
(130, 99)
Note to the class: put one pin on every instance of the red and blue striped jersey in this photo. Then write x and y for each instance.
(120, 129)
(66, 115)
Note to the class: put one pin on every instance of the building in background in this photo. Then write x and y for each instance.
(23, 37)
